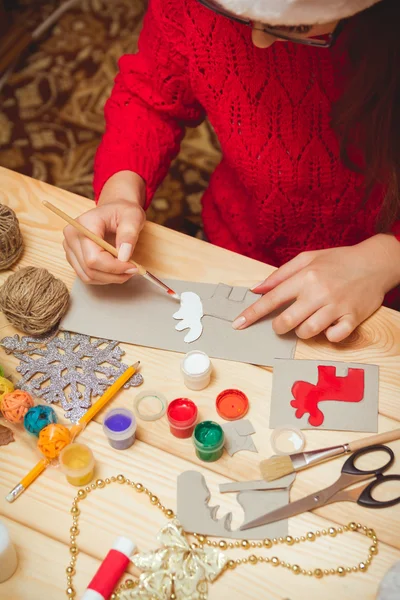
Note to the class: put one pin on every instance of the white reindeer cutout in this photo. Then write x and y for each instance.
(191, 313)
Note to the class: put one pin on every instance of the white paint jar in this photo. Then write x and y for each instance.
(196, 368)
(8, 555)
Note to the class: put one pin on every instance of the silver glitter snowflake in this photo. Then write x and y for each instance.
(57, 367)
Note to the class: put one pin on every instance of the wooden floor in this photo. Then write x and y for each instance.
(39, 520)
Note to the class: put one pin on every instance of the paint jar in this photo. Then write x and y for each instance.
(77, 463)
(208, 439)
(182, 417)
(196, 368)
(119, 425)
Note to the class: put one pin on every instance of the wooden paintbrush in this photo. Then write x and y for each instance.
(109, 248)
(279, 466)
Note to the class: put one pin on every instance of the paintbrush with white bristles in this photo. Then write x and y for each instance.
(279, 466)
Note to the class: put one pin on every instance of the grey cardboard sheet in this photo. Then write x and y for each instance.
(338, 415)
(139, 313)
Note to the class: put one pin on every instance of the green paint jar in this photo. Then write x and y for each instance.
(208, 439)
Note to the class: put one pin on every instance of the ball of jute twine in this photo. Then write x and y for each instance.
(33, 300)
(11, 243)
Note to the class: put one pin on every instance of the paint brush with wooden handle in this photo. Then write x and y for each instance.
(109, 248)
(279, 466)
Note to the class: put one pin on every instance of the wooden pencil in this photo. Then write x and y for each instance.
(75, 430)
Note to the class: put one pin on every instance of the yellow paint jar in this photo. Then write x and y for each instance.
(77, 463)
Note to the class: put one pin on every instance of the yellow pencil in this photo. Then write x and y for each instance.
(75, 430)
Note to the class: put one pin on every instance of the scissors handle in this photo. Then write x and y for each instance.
(366, 499)
(350, 468)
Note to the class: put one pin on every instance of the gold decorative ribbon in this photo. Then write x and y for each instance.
(176, 570)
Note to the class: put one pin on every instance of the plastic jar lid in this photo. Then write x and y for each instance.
(150, 416)
(232, 404)
(287, 440)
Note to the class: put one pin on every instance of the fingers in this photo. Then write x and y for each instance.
(87, 275)
(129, 226)
(284, 272)
(303, 311)
(90, 261)
(317, 322)
(342, 329)
(282, 294)
(73, 261)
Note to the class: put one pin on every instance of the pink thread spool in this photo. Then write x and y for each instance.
(182, 417)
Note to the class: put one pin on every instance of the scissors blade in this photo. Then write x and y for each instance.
(310, 502)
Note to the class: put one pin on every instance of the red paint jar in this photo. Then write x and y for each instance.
(182, 417)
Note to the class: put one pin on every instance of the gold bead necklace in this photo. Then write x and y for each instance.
(202, 540)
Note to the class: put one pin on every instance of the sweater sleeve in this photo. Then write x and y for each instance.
(151, 102)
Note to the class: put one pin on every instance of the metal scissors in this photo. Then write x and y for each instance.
(337, 492)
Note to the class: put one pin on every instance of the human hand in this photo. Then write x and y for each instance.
(119, 213)
(331, 291)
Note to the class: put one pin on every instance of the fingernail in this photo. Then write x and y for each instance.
(131, 271)
(256, 286)
(238, 322)
(124, 252)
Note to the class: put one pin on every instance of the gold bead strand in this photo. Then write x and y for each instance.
(202, 540)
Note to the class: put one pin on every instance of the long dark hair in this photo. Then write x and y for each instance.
(368, 111)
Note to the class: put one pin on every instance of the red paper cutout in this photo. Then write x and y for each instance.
(329, 387)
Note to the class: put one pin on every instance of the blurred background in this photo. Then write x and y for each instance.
(52, 99)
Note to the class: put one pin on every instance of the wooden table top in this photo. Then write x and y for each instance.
(40, 519)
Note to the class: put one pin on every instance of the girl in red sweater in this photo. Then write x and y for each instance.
(304, 96)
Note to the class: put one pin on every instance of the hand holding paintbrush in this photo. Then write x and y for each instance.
(109, 248)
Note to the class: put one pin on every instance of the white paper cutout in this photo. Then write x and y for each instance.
(191, 313)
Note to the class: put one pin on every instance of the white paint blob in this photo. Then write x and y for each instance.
(196, 363)
(286, 440)
(191, 313)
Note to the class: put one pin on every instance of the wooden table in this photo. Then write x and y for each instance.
(40, 520)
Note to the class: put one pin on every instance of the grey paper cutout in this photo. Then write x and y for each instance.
(226, 302)
(256, 504)
(193, 511)
(258, 484)
(138, 313)
(238, 436)
(339, 416)
(196, 516)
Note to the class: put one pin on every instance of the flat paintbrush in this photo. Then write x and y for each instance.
(279, 466)
(109, 248)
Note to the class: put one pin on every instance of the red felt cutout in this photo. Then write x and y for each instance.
(329, 387)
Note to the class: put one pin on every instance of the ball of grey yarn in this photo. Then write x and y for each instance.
(11, 243)
(33, 300)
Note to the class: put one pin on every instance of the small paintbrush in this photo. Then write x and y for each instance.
(279, 466)
(109, 248)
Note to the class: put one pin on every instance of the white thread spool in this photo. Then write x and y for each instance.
(8, 555)
(196, 368)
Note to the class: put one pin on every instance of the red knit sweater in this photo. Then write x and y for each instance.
(281, 187)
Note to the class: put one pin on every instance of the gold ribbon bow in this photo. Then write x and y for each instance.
(178, 569)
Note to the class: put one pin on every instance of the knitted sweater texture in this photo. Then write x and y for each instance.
(281, 187)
